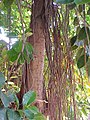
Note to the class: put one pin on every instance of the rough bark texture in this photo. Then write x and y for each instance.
(37, 64)
(32, 78)
(47, 26)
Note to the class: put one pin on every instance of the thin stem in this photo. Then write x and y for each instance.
(21, 18)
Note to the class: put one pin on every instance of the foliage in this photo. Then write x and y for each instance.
(9, 107)
(16, 50)
(70, 1)
(21, 52)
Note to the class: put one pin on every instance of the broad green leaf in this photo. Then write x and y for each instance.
(16, 100)
(84, 111)
(21, 59)
(13, 115)
(81, 1)
(2, 80)
(83, 34)
(12, 55)
(29, 97)
(12, 35)
(5, 99)
(79, 53)
(64, 1)
(11, 97)
(34, 109)
(17, 46)
(74, 47)
(78, 29)
(28, 30)
(1, 5)
(28, 52)
(7, 3)
(29, 114)
(3, 115)
(73, 40)
(29, 48)
(21, 113)
(25, 54)
(80, 86)
(82, 61)
(39, 116)
(4, 53)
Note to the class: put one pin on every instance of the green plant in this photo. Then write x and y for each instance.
(75, 1)
(9, 104)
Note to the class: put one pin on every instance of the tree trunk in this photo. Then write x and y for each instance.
(32, 78)
(37, 64)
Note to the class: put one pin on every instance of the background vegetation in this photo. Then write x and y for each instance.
(66, 74)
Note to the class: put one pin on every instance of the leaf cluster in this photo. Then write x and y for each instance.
(9, 107)
(74, 1)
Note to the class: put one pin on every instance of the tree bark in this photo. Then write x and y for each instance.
(37, 64)
(32, 78)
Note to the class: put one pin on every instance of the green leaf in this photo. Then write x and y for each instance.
(12, 55)
(34, 109)
(39, 116)
(78, 29)
(13, 115)
(11, 97)
(17, 46)
(5, 99)
(12, 35)
(73, 40)
(29, 48)
(2, 80)
(21, 59)
(15, 51)
(3, 115)
(84, 111)
(29, 97)
(28, 52)
(82, 33)
(64, 1)
(81, 61)
(16, 100)
(7, 3)
(21, 113)
(74, 47)
(79, 53)
(28, 114)
(88, 12)
(25, 54)
(81, 1)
